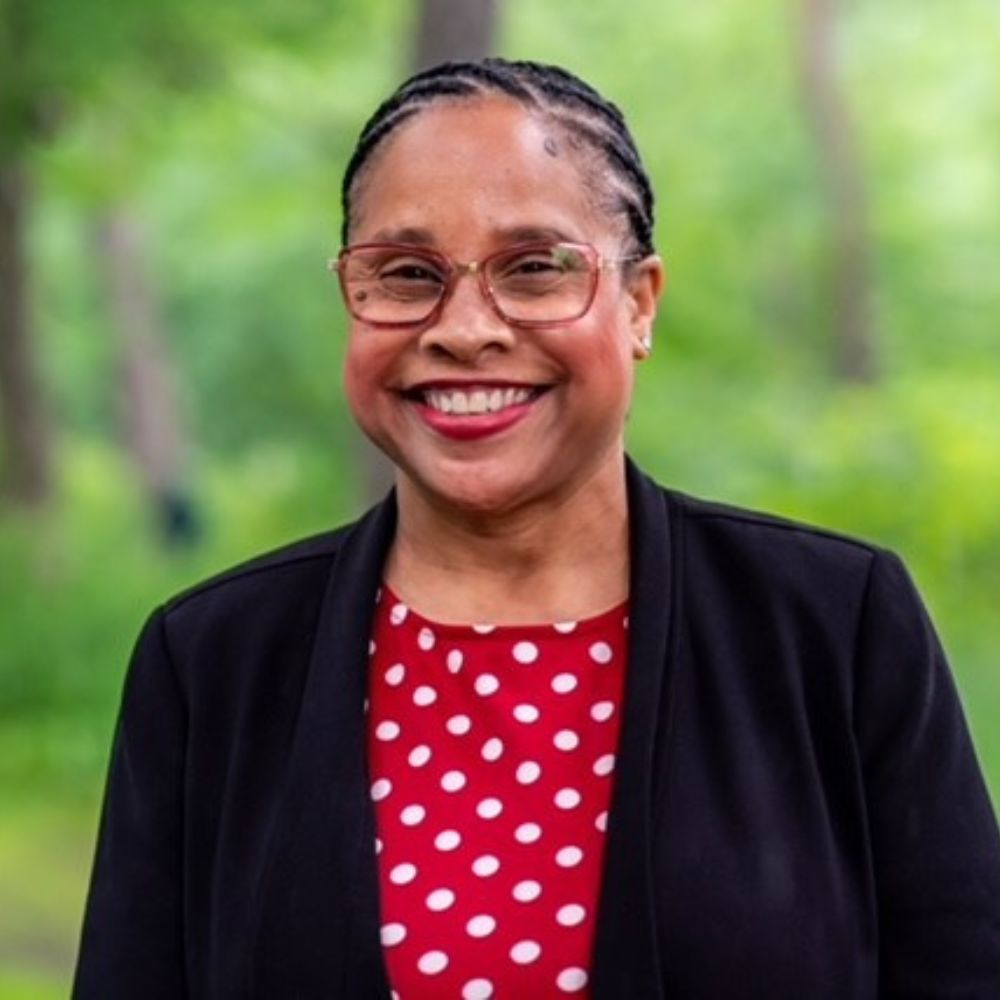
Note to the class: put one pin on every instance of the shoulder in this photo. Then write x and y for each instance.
(266, 595)
(751, 539)
(734, 562)
(302, 559)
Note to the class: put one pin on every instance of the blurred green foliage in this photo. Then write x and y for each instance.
(228, 140)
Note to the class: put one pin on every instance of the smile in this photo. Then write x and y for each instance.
(473, 411)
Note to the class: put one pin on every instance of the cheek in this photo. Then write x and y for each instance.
(363, 369)
(611, 361)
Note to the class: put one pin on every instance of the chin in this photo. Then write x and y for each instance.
(473, 490)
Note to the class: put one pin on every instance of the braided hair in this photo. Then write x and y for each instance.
(591, 123)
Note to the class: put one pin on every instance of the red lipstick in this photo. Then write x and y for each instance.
(470, 428)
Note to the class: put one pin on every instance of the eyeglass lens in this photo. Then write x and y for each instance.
(537, 284)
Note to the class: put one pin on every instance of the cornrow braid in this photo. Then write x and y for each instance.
(588, 119)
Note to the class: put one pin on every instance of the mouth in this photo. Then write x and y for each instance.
(472, 400)
(471, 411)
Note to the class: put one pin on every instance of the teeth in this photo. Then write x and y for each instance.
(475, 402)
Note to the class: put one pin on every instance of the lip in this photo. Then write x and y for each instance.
(471, 427)
(470, 383)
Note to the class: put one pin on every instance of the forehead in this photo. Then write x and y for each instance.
(466, 172)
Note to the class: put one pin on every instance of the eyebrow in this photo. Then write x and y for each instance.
(408, 234)
(416, 236)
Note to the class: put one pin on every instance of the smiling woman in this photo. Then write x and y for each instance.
(535, 725)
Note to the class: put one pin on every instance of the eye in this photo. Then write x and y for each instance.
(531, 265)
(408, 270)
(409, 277)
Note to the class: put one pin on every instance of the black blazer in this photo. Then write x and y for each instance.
(797, 809)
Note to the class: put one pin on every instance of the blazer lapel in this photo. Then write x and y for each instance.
(626, 953)
(318, 930)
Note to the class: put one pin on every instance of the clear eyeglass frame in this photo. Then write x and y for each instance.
(451, 270)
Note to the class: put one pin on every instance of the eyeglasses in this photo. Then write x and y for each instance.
(532, 284)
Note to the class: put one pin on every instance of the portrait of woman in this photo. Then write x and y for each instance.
(535, 725)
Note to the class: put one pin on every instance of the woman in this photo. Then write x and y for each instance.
(535, 726)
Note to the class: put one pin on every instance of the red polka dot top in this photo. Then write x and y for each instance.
(491, 752)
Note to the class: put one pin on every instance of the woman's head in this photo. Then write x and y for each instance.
(476, 174)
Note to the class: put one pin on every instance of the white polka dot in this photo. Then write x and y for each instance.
(397, 614)
(526, 891)
(525, 652)
(486, 684)
(525, 952)
(412, 815)
(489, 808)
(440, 899)
(425, 639)
(447, 840)
(567, 857)
(392, 934)
(481, 925)
(452, 781)
(393, 995)
(527, 772)
(424, 695)
(571, 980)
(567, 798)
(600, 652)
(371, 646)
(564, 627)
(381, 788)
(602, 711)
(477, 989)
(395, 674)
(571, 914)
(563, 683)
(432, 962)
(454, 660)
(403, 873)
(604, 764)
(483, 628)
(387, 730)
(378, 846)
(486, 865)
(602, 821)
(625, 622)
(367, 705)
(528, 833)
(458, 725)
(526, 713)
(566, 739)
(492, 748)
(419, 755)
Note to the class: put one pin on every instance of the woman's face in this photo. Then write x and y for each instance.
(468, 179)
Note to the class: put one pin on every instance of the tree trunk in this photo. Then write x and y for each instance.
(27, 479)
(150, 419)
(454, 29)
(843, 180)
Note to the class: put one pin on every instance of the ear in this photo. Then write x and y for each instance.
(643, 287)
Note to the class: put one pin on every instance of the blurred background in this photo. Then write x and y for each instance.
(828, 175)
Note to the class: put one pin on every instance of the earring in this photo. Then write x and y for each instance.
(646, 343)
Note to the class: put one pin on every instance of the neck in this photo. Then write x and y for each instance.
(554, 558)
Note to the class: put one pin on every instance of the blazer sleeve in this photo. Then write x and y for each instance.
(132, 938)
(934, 839)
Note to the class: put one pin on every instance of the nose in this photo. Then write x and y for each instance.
(467, 325)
